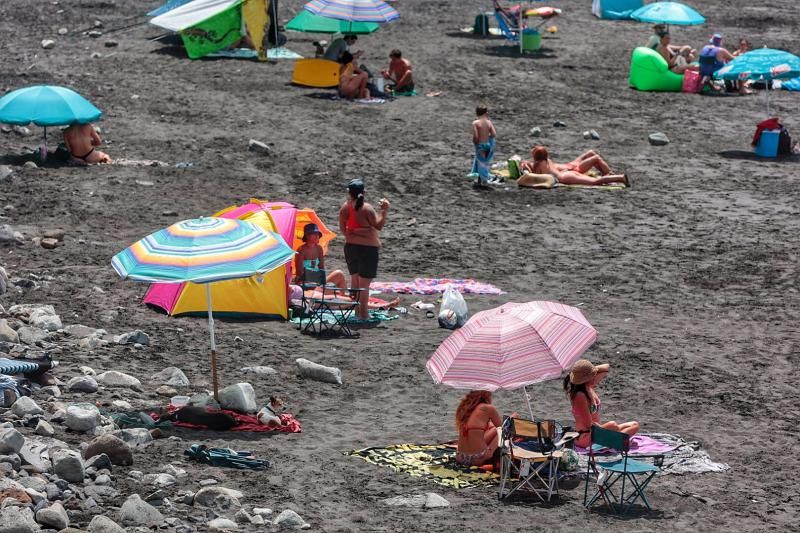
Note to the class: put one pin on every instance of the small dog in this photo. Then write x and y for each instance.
(269, 414)
(200, 416)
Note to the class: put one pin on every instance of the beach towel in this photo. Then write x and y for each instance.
(289, 424)
(680, 457)
(249, 53)
(138, 163)
(412, 92)
(435, 286)
(225, 457)
(336, 97)
(331, 318)
(481, 165)
(436, 463)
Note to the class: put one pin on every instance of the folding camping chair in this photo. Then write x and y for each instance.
(529, 457)
(608, 473)
(328, 312)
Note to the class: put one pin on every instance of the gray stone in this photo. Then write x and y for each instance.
(67, 464)
(82, 384)
(9, 235)
(317, 372)
(430, 500)
(594, 135)
(6, 333)
(658, 139)
(111, 43)
(117, 451)
(48, 44)
(13, 460)
(559, 124)
(63, 31)
(219, 498)
(98, 462)
(288, 519)
(30, 336)
(137, 512)
(39, 500)
(82, 418)
(165, 390)
(239, 397)
(208, 482)
(162, 480)
(112, 378)
(134, 337)
(258, 146)
(222, 524)
(263, 511)
(17, 520)
(257, 520)
(11, 440)
(536, 131)
(81, 332)
(54, 516)
(94, 34)
(3, 285)
(587, 134)
(52, 390)
(5, 173)
(242, 517)
(103, 524)
(25, 406)
(261, 370)
(171, 376)
(31, 454)
(44, 429)
(135, 437)
(36, 483)
(102, 479)
(122, 404)
(87, 371)
(45, 317)
(53, 492)
(433, 500)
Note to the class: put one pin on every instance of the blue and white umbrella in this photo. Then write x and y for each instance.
(764, 64)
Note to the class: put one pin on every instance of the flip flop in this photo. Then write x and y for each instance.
(429, 314)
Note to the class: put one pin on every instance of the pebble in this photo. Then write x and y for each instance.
(594, 135)
(25, 132)
(18, 520)
(5, 173)
(536, 131)
(309, 369)
(559, 124)
(31, 336)
(48, 44)
(658, 139)
(30, 164)
(94, 34)
(208, 482)
(164, 390)
(137, 512)
(222, 524)
(289, 519)
(430, 500)
(87, 371)
(102, 479)
(111, 43)
(63, 31)
(258, 146)
(240, 397)
(219, 498)
(10, 235)
(82, 384)
(25, 406)
(135, 437)
(7, 334)
(96, 55)
(98, 462)
(44, 317)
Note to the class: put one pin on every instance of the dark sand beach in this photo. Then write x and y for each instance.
(690, 276)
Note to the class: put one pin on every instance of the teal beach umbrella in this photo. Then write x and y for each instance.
(763, 64)
(671, 13)
(308, 22)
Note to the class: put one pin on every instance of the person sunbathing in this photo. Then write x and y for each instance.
(542, 166)
(352, 80)
(81, 140)
(477, 421)
(583, 163)
(579, 385)
(678, 59)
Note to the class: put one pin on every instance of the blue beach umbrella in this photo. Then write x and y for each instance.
(762, 64)
(671, 13)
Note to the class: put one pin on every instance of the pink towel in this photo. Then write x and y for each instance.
(435, 286)
(640, 445)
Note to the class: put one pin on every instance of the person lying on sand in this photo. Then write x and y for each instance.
(583, 163)
(352, 80)
(543, 166)
(579, 385)
(678, 59)
(399, 73)
(477, 421)
(81, 140)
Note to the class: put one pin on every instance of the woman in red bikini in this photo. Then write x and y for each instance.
(579, 386)
(476, 422)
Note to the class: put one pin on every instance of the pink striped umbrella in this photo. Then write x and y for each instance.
(512, 346)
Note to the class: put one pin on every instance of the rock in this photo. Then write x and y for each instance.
(67, 464)
(433, 500)
(102, 479)
(98, 462)
(48, 44)
(30, 164)
(263, 511)
(242, 517)
(239, 397)
(258, 146)
(594, 135)
(137, 512)
(11, 440)
(536, 131)
(559, 124)
(257, 520)
(261, 370)
(62, 31)
(219, 498)
(31, 336)
(82, 417)
(134, 437)
(9, 235)
(5, 173)
(171, 376)
(81, 332)
(113, 447)
(51, 390)
(164, 390)
(112, 378)
(54, 516)
(111, 43)
(658, 139)
(44, 429)
(17, 520)
(208, 482)
(430, 500)
(25, 132)
(48, 243)
(96, 55)
(34, 482)
(103, 524)
(31, 455)
(288, 519)
(311, 370)
(26, 406)
(87, 371)
(587, 134)
(82, 384)
(122, 404)
(222, 524)
(13, 460)
(134, 337)
(94, 34)
(3, 284)
(6, 333)
(163, 480)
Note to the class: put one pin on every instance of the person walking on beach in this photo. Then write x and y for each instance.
(483, 137)
(360, 224)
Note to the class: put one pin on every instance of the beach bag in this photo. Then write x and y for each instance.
(784, 142)
(453, 312)
(481, 26)
(692, 81)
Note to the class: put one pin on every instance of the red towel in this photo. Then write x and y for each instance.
(769, 124)
(289, 424)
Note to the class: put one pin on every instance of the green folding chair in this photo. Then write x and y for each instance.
(636, 474)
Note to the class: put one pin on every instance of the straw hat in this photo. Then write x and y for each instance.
(582, 372)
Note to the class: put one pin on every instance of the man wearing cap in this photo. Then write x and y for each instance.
(712, 58)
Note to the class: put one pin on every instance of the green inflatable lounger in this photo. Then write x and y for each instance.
(650, 72)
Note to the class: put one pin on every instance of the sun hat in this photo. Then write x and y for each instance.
(310, 229)
(356, 186)
(582, 372)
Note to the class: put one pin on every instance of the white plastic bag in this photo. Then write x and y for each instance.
(453, 312)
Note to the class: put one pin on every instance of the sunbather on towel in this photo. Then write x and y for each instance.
(81, 140)
(542, 164)
(483, 135)
(583, 163)
(579, 386)
(352, 80)
(476, 423)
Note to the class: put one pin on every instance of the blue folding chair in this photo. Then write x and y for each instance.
(608, 473)
(506, 25)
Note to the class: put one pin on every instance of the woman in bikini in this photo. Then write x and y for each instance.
(82, 141)
(583, 163)
(579, 386)
(476, 423)
(352, 80)
(538, 170)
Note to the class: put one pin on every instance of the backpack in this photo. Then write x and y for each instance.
(784, 142)
(481, 26)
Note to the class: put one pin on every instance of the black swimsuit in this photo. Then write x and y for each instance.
(85, 156)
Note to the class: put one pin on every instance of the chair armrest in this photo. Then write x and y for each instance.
(568, 437)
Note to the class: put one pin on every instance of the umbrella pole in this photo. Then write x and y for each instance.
(214, 382)
(528, 399)
(43, 150)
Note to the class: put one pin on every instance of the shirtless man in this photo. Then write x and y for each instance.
(399, 72)
(678, 61)
(483, 135)
(546, 174)
(81, 140)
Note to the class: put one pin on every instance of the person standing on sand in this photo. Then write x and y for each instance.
(360, 224)
(483, 137)
(81, 140)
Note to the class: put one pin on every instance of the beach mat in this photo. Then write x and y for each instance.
(435, 286)
(436, 463)
(336, 97)
(249, 53)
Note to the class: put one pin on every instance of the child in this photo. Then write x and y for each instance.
(483, 135)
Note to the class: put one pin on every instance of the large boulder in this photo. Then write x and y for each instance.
(112, 378)
(115, 448)
(82, 417)
(11, 440)
(67, 464)
(137, 512)
(239, 397)
(172, 376)
(26, 406)
(17, 520)
(54, 516)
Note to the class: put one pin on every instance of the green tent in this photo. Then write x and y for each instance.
(308, 22)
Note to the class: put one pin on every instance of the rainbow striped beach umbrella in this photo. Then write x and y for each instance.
(512, 346)
(203, 250)
(353, 10)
